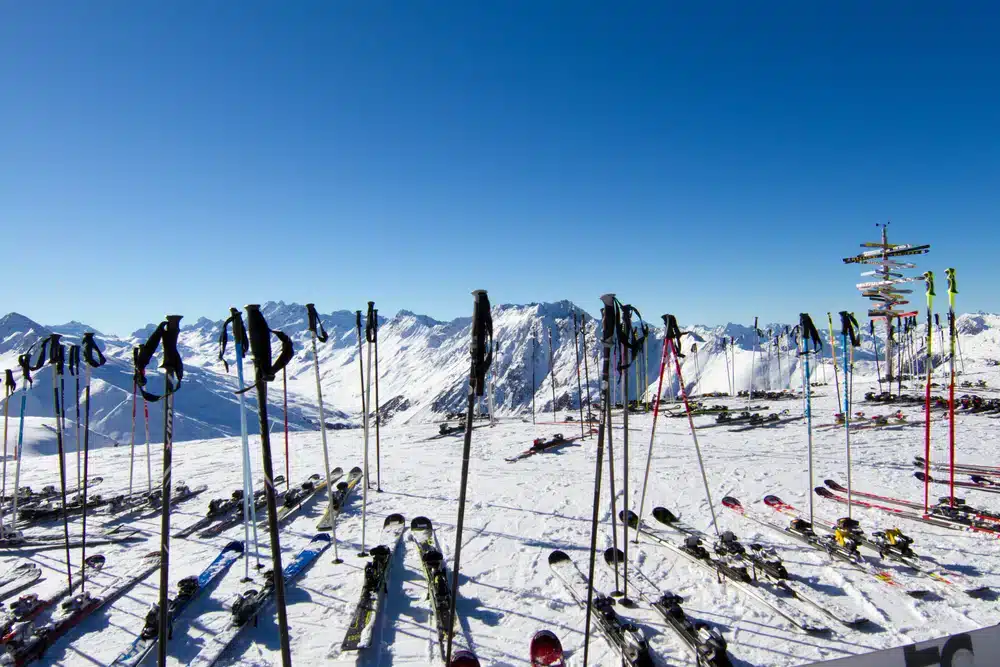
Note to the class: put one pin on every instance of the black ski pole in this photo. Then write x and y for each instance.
(534, 387)
(57, 359)
(552, 375)
(579, 386)
(481, 352)
(361, 373)
(73, 363)
(164, 337)
(10, 387)
(608, 331)
(94, 358)
(265, 371)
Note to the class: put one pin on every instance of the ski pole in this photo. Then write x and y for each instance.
(652, 432)
(848, 333)
(753, 356)
(579, 385)
(609, 330)
(952, 291)
(57, 360)
(833, 355)
(929, 280)
(534, 386)
(10, 386)
(319, 335)
(241, 345)
(809, 333)
(265, 371)
(94, 358)
(284, 389)
(361, 375)
(586, 365)
(481, 351)
(378, 439)
(149, 455)
(73, 363)
(368, 397)
(131, 443)
(552, 375)
(24, 361)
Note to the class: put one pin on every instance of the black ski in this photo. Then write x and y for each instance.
(362, 626)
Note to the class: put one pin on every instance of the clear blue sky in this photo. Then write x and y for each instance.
(715, 160)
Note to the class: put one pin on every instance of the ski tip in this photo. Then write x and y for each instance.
(732, 503)
(632, 520)
(393, 520)
(321, 537)
(96, 562)
(772, 500)
(235, 545)
(613, 556)
(421, 523)
(824, 492)
(558, 556)
(356, 470)
(834, 485)
(336, 471)
(922, 477)
(663, 515)
(546, 649)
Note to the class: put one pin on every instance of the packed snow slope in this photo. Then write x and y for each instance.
(517, 513)
(423, 366)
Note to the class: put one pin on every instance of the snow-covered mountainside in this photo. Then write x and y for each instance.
(423, 364)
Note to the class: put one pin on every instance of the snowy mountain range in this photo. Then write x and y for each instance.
(423, 367)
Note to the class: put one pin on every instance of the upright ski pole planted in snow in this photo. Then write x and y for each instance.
(482, 356)
(57, 360)
(810, 334)
(73, 363)
(24, 361)
(609, 330)
(586, 363)
(94, 358)
(9, 387)
(833, 354)
(579, 385)
(929, 280)
(319, 335)
(378, 442)
(241, 344)
(284, 413)
(361, 375)
(848, 335)
(953, 333)
(368, 398)
(265, 371)
(163, 337)
(652, 432)
(552, 375)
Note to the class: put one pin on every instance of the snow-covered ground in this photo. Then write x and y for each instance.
(518, 513)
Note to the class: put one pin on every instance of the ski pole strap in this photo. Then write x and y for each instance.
(482, 352)
(849, 327)
(24, 361)
(239, 336)
(260, 346)
(57, 352)
(929, 280)
(871, 328)
(315, 323)
(809, 333)
(165, 337)
(371, 325)
(610, 319)
(9, 385)
(952, 283)
(672, 332)
(73, 361)
(91, 353)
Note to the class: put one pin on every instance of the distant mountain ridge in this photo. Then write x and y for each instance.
(423, 365)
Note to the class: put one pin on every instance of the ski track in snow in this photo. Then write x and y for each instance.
(516, 514)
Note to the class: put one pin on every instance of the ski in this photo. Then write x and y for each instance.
(295, 498)
(961, 467)
(839, 547)
(374, 587)
(541, 445)
(250, 603)
(220, 509)
(150, 504)
(625, 637)
(339, 500)
(735, 575)
(546, 650)
(28, 607)
(985, 487)
(765, 562)
(26, 643)
(766, 422)
(705, 642)
(958, 517)
(187, 590)
(22, 542)
(259, 503)
(438, 588)
(18, 578)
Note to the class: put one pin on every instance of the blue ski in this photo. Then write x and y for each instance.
(188, 589)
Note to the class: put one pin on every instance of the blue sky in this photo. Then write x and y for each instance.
(715, 161)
